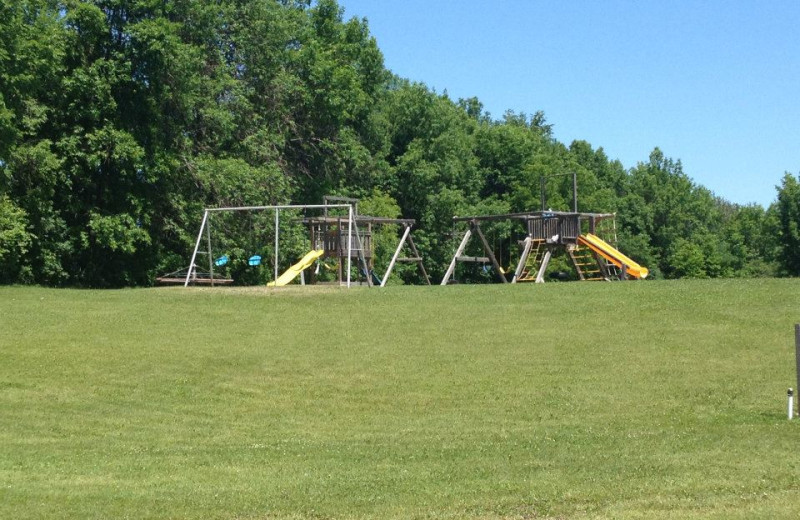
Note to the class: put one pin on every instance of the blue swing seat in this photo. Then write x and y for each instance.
(254, 260)
(221, 261)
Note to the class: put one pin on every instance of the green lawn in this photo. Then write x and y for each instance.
(572, 400)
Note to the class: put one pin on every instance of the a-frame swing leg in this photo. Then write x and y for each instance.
(543, 268)
(489, 252)
(396, 254)
(361, 257)
(419, 262)
(523, 259)
(452, 267)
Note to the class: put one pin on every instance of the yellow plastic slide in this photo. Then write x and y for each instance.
(604, 249)
(293, 271)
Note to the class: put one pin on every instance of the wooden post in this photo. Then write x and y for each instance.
(575, 195)
(544, 197)
(526, 251)
(361, 256)
(394, 258)
(489, 251)
(543, 268)
(419, 262)
(339, 254)
(371, 262)
(797, 362)
(603, 265)
(571, 254)
(452, 267)
(312, 275)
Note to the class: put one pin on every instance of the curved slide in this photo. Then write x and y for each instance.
(604, 249)
(293, 271)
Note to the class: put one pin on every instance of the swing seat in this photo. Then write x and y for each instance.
(376, 280)
(219, 262)
(254, 260)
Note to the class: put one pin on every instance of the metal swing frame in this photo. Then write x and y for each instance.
(206, 226)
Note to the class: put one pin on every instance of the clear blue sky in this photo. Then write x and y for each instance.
(715, 84)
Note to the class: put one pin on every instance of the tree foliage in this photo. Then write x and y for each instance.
(121, 119)
(788, 216)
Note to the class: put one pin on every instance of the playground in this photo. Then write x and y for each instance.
(339, 232)
(589, 400)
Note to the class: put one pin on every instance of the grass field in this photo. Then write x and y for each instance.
(625, 400)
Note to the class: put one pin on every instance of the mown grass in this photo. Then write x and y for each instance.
(575, 400)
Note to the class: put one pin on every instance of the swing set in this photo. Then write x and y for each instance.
(204, 247)
(337, 233)
(576, 234)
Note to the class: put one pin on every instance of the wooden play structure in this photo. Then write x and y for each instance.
(578, 234)
(329, 234)
(588, 239)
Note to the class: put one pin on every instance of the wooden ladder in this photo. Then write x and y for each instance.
(607, 230)
(534, 260)
(586, 263)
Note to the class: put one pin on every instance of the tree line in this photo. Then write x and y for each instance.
(120, 120)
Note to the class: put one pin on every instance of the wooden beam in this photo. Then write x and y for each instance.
(489, 218)
(602, 265)
(571, 254)
(361, 257)
(452, 267)
(529, 215)
(489, 252)
(394, 258)
(797, 360)
(360, 219)
(526, 251)
(419, 259)
(476, 259)
(543, 268)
